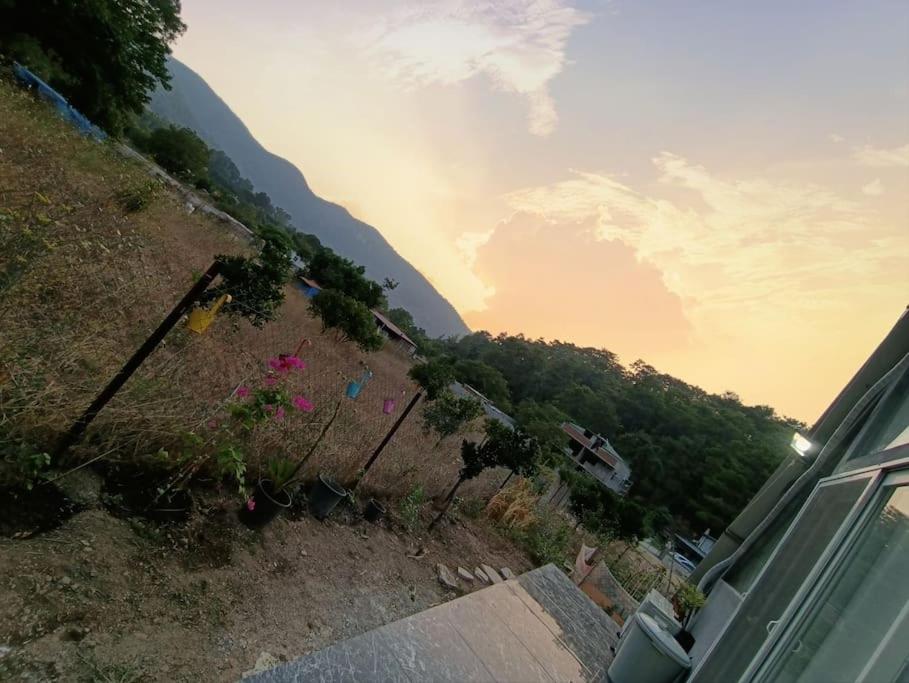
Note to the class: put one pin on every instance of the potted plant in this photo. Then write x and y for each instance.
(271, 495)
(687, 601)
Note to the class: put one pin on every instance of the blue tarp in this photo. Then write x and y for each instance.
(64, 108)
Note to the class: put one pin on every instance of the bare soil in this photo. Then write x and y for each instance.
(108, 599)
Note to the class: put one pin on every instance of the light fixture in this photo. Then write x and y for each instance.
(800, 444)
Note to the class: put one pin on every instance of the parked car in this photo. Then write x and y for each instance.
(683, 561)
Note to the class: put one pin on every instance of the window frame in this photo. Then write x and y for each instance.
(840, 551)
(854, 512)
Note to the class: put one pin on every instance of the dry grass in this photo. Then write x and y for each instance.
(82, 283)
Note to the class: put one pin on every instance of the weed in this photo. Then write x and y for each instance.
(410, 507)
(471, 507)
(28, 465)
(111, 673)
(547, 539)
(230, 462)
(138, 197)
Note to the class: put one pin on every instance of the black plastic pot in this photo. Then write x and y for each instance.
(324, 496)
(374, 511)
(266, 504)
(685, 639)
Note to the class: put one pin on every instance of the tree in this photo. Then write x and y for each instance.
(336, 272)
(448, 414)
(475, 458)
(513, 449)
(256, 285)
(349, 317)
(544, 421)
(180, 152)
(104, 56)
(485, 379)
(433, 376)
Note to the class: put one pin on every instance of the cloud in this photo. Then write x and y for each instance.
(882, 157)
(835, 138)
(874, 189)
(751, 245)
(518, 44)
(557, 279)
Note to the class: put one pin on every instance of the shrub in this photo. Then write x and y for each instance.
(547, 539)
(352, 320)
(410, 507)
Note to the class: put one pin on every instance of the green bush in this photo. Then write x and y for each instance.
(410, 507)
(547, 540)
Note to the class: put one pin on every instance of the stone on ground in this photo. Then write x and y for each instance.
(481, 575)
(446, 578)
(465, 574)
(507, 574)
(491, 573)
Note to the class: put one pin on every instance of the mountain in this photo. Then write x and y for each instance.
(193, 104)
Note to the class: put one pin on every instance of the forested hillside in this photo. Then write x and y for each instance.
(192, 103)
(701, 455)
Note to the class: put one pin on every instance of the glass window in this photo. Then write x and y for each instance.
(774, 590)
(888, 422)
(858, 629)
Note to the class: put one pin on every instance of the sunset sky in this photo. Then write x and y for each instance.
(720, 188)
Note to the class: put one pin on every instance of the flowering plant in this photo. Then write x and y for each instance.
(273, 399)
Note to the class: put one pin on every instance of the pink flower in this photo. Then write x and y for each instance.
(278, 364)
(279, 413)
(251, 504)
(268, 408)
(294, 362)
(301, 403)
(242, 392)
(271, 381)
(212, 424)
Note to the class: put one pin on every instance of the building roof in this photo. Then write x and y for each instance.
(310, 283)
(604, 451)
(492, 412)
(394, 329)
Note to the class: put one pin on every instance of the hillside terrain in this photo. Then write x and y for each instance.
(193, 104)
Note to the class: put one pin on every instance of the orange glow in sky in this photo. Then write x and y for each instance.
(722, 191)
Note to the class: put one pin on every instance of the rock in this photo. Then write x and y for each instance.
(466, 575)
(446, 578)
(83, 487)
(5, 650)
(264, 662)
(140, 636)
(491, 573)
(481, 575)
(507, 574)
(66, 581)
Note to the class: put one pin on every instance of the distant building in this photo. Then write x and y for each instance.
(492, 412)
(695, 550)
(594, 454)
(394, 333)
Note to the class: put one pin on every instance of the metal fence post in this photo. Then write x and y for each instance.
(79, 426)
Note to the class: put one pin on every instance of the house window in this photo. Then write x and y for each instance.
(795, 559)
(855, 625)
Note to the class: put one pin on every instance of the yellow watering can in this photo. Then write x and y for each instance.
(201, 318)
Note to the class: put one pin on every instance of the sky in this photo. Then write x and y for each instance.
(720, 188)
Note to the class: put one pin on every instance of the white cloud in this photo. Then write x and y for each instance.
(518, 44)
(877, 156)
(835, 138)
(771, 249)
(874, 189)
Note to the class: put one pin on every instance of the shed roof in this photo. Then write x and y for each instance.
(394, 329)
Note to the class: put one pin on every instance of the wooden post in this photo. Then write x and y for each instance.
(79, 426)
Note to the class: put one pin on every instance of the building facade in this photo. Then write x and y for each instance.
(596, 456)
(811, 581)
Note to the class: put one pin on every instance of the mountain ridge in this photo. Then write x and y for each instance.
(192, 103)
